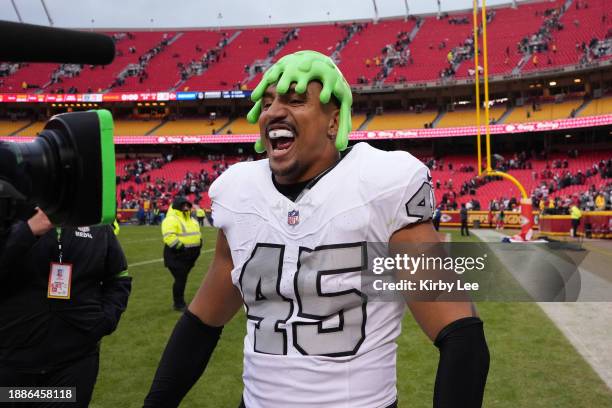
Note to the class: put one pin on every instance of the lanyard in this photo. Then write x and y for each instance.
(59, 242)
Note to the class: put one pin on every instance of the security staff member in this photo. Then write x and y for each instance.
(183, 241)
(63, 289)
(463, 213)
(200, 215)
(576, 214)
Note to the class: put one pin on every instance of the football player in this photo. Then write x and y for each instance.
(292, 234)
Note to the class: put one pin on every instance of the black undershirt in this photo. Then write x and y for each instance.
(292, 191)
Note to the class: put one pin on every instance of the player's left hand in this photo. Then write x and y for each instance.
(39, 223)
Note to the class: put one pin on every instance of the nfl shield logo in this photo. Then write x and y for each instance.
(293, 217)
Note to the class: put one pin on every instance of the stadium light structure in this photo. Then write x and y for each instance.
(477, 85)
(489, 170)
(525, 207)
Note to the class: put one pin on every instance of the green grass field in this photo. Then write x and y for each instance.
(532, 364)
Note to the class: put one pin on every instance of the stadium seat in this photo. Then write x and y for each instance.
(429, 59)
(357, 120)
(31, 130)
(401, 120)
(34, 75)
(467, 117)
(247, 47)
(590, 25)
(546, 111)
(602, 106)
(507, 29)
(135, 127)
(241, 126)
(368, 44)
(162, 70)
(8, 127)
(189, 127)
(96, 78)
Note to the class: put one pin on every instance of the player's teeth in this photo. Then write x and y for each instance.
(278, 133)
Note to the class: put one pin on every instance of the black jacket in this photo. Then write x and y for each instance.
(181, 258)
(38, 333)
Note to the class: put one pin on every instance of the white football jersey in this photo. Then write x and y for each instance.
(313, 339)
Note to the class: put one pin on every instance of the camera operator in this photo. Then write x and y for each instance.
(63, 289)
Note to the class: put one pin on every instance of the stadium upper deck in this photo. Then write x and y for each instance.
(415, 49)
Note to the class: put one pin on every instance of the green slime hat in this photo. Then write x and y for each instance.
(303, 67)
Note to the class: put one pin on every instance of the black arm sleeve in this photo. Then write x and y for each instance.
(17, 243)
(187, 353)
(463, 366)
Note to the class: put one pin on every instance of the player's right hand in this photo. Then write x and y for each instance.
(39, 223)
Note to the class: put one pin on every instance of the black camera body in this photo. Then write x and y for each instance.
(68, 171)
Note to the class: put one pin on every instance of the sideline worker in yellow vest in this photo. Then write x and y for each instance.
(576, 214)
(183, 241)
(200, 214)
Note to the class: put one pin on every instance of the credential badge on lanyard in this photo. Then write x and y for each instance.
(60, 274)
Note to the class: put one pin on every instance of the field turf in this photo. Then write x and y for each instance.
(532, 364)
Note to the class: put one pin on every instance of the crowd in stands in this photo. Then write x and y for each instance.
(288, 35)
(593, 199)
(137, 170)
(136, 186)
(350, 29)
(463, 51)
(210, 57)
(539, 42)
(160, 191)
(457, 55)
(8, 68)
(66, 70)
(557, 177)
(469, 187)
(397, 54)
(553, 179)
(548, 21)
(596, 48)
(140, 69)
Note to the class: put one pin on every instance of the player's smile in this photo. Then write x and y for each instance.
(282, 138)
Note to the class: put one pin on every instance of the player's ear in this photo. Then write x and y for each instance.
(332, 126)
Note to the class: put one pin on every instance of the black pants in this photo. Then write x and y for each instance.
(436, 224)
(464, 227)
(575, 224)
(180, 280)
(81, 374)
(394, 405)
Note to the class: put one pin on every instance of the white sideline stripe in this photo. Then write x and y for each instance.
(131, 241)
(152, 261)
(586, 325)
